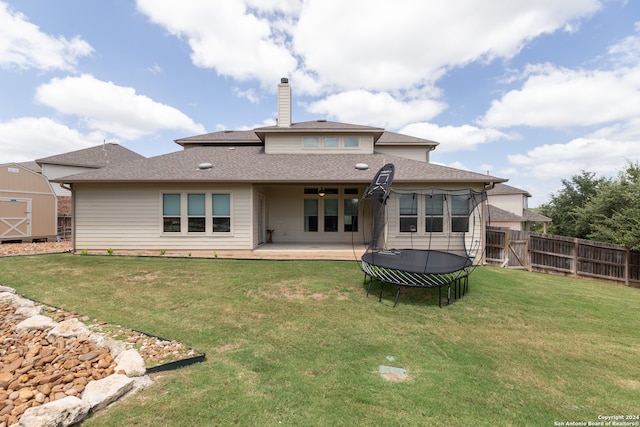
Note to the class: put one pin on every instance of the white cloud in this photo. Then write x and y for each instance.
(627, 51)
(604, 157)
(226, 36)
(454, 138)
(30, 138)
(390, 46)
(113, 109)
(23, 45)
(375, 109)
(559, 97)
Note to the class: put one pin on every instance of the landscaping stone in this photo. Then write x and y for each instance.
(99, 394)
(54, 373)
(63, 412)
(130, 363)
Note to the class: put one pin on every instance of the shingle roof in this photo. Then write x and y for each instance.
(497, 214)
(535, 217)
(94, 157)
(251, 164)
(506, 189)
(222, 137)
(399, 138)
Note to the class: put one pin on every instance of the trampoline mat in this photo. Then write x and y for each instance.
(418, 261)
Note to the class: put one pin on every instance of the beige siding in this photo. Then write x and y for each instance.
(420, 154)
(130, 217)
(293, 143)
(513, 203)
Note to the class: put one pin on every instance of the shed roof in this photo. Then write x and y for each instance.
(94, 157)
(252, 164)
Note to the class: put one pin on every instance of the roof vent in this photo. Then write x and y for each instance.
(231, 148)
(362, 166)
(205, 166)
(322, 120)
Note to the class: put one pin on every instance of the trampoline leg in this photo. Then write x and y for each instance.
(381, 287)
(448, 294)
(397, 296)
(370, 283)
(440, 296)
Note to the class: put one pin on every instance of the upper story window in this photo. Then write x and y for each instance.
(331, 142)
(351, 142)
(311, 142)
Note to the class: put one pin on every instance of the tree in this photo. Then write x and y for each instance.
(564, 205)
(613, 214)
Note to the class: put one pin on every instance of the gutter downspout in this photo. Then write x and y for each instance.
(73, 214)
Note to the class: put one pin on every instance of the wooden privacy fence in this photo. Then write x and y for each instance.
(564, 255)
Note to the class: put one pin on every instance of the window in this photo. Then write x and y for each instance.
(310, 214)
(221, 212)
(330, 142)
(350, 214)
(434, 218)
(460, 213)
(408, 213)
(311, 142)
(331, 215)
(196, 213)
(171, 213)
(351, 141)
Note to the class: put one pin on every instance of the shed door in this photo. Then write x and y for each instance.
(15, 218)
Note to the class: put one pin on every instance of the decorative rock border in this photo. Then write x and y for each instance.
(58, 373)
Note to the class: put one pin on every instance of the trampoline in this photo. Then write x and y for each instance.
(447, 267)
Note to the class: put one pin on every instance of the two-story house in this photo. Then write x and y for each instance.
(235, 190)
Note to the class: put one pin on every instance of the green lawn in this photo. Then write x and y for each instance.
(297, 343)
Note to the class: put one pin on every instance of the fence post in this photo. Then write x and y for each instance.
(627, 255)
(575, 256)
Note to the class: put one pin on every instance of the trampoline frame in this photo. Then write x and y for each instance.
(458, 278)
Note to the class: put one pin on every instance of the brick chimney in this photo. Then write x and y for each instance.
(284, 103)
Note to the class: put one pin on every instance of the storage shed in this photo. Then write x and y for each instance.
(28, 205)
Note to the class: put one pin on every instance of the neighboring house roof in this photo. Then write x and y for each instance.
(500, 189)
(532, 216)
(393, 138)
(251, 164)
(95, 157)
(497, 214)
(500, 215)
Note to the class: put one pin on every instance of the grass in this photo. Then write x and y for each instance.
(294, 343)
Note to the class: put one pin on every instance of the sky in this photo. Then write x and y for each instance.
(534, 91)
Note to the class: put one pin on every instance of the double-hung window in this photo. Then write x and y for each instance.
(408, 213)
(221, 212)
(196, 213)
(434, 213)
(460, 213)
(171, 213)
